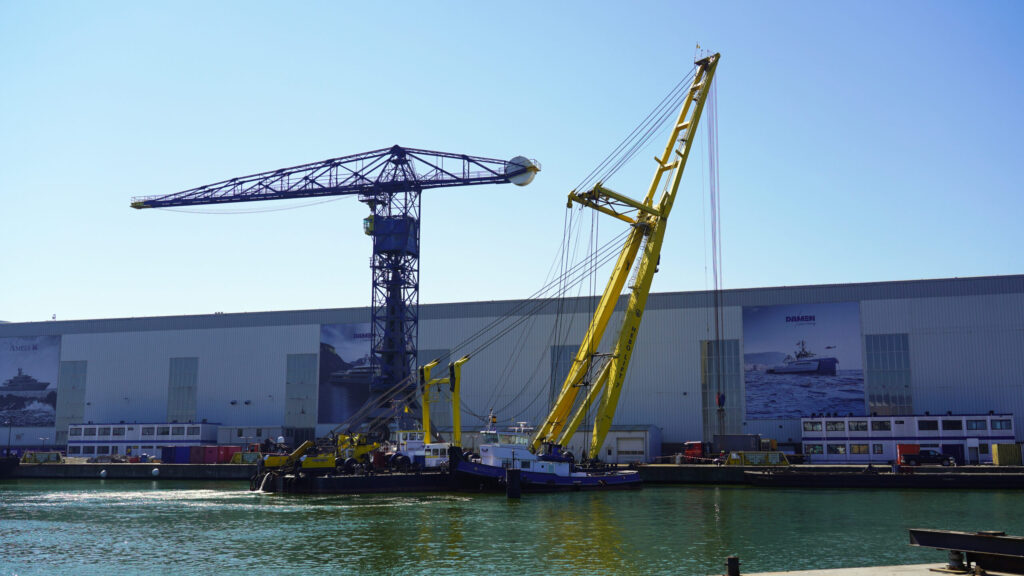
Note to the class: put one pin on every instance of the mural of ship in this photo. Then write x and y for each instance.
(805, 362)
(24, 386)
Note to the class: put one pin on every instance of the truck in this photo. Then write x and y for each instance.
(926, 456)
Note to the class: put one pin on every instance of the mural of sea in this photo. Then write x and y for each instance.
(800, 395)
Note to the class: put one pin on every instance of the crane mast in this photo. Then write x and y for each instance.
(648, 221)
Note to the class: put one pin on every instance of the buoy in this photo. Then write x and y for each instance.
(103, 473)
(156, 471)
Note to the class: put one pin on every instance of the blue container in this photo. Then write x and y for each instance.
(182, 454)
(167, 455)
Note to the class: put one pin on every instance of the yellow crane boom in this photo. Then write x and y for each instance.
(648, 221)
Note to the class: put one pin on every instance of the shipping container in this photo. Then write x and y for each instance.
(195, 455)
(182, 454)
(224, 453)
(167, 455)
(210, 454)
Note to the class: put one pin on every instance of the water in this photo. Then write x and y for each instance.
(165, 527)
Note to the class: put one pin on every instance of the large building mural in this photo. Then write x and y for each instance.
(28, 380)
(345, 370)
(803, 359)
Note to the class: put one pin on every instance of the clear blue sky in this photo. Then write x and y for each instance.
(860, 141)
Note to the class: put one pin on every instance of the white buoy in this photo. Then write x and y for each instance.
(103, 473)
(156, 471)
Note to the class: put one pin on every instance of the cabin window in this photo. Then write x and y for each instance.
(147, 430)
(837, 448)
(835, 426)
(163, 431)
(881, 426)
(977, 425)
(927, 425)
(105, 431)
(952, 424)
(119, 431)
(89, 431)
(178, 431)
(75, 432)
(858, 426)
(1002, 425)
(812, 426)
(858, 448)
(193, 430)
(878, 448)
(812, 449)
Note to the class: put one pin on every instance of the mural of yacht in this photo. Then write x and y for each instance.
(805, 362)
(24, 386)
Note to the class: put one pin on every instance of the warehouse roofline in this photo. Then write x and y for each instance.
(821, 293)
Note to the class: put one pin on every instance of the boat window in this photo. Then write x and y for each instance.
(1002, 425)
(881, 426)
(858, 426)
(812, 426)
(977, 425)
(952, 424)
(119, 431)
(163, 431)
(837, 448)
(105, 431)
(89, 431)
(147, 430)
(812, 449)
(193, 430)
(878, 448)
(927, 424)
(489, 437)
(835, 426)
(178, 431)
(78, 432)
(858, 448)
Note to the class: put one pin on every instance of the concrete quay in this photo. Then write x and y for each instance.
(138, 471)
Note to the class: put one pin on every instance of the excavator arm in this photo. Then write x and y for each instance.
(648, 232)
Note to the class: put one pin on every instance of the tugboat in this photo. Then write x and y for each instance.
(804, 362)
(553, 470)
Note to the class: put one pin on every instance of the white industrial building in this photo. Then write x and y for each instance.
(911, 347)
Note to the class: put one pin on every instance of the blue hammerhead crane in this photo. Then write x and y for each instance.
(389, 182)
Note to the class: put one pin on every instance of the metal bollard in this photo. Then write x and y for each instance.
(732, 566)
(956, 560)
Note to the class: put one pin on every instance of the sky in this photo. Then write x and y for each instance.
(858, 142)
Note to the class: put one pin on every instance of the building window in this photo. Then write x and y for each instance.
(858, 426)
(75, 432)
(881, 426)
(927, 425)
(105, 431)
(812, 449)
(118, 431)
(103, 449)
(163, 431)
(193, 430)
(89, 431)
(952, 424)
(88, 449)
(812, 426)
(835, 426)
(1002, 425)
(837, 448)
(113, 449)
(858, 448)
(74, 449)
(147, 430)
(178, 431)
(721, 385)
(259, 431)
(887, 374)
(239, 433)
(977, 425)
(982, 448)
(878, 448)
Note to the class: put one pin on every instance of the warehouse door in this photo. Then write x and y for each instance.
(629, 449)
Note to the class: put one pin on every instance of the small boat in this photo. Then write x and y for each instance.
(806, 362)
(550, 471)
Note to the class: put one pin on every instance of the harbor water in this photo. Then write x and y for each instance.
(165, 527)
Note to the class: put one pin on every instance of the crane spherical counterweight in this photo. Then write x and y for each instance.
(521, 170)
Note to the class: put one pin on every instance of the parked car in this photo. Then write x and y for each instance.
(928, 456)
